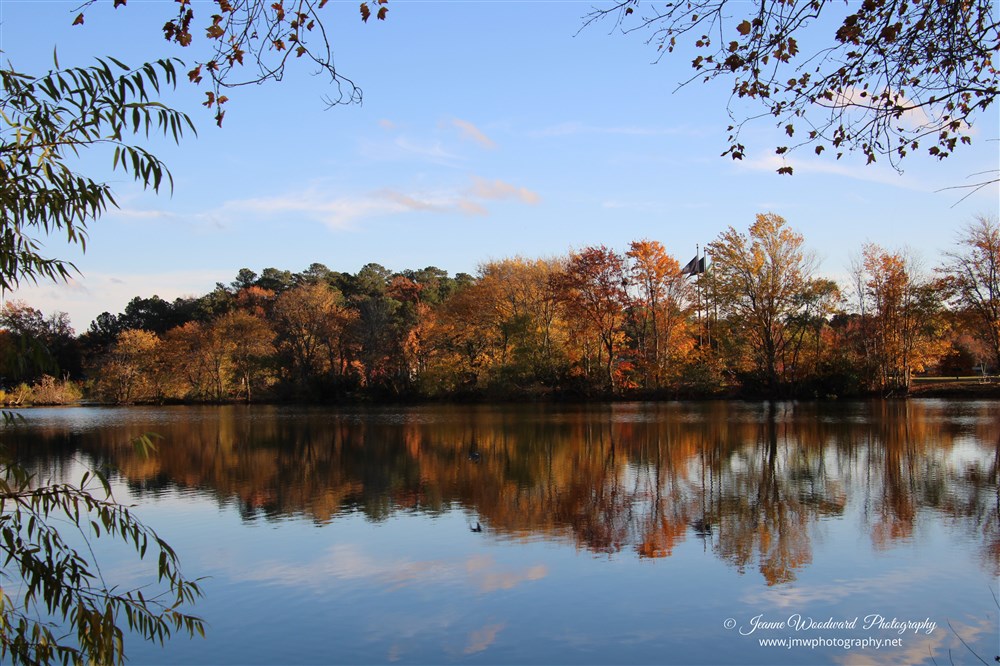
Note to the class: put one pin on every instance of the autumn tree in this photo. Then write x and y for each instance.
(130, 372)
(525, 331)
(254, 300)
(386, 307)
(900, 317)
(410, 315)
(882, 78)
(758, 281)
(213, 355)
(498, 332)
(593, 287)
(186, 354)
(660, 308)
(33, 344)
(379, 335)
(250, 348)
(460, 343)
(310, 323)
(819, 300)
(972, 273)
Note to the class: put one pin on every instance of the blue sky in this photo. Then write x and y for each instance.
(488, 129)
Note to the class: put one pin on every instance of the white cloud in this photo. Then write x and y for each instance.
(439, 149)
(138, 214)
(872, 173)
(131, 214)
(415, 202)
(473, 133)
(432, 151)
(472, 208)
(915, 116)
(406, 149)
(498, 189)
(345, 211)
(335, 212)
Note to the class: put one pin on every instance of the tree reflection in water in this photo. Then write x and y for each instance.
(750, 481)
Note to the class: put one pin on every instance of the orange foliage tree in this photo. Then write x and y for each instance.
(901, 317)
(659, 309)
(592, 288)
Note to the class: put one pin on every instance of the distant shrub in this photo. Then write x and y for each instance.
(46, 391)
(20, 395)
(50, 391)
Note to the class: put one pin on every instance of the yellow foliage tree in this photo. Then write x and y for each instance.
(131, 372)
(758, 280)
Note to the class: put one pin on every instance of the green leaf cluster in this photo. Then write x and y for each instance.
(46, 123)
(55, 605)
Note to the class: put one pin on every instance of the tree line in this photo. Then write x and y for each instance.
(750, 318)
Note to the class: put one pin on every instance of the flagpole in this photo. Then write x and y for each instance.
(697, 286)
(708, 304)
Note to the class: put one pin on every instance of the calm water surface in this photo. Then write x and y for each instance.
(634, 533)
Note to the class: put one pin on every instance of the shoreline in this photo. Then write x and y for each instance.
(937, 389)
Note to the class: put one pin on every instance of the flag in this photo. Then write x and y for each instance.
(701, 265)
(691, 267)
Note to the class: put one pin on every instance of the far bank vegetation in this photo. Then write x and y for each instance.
(751, 318)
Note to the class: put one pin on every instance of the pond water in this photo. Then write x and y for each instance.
(652, 533)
